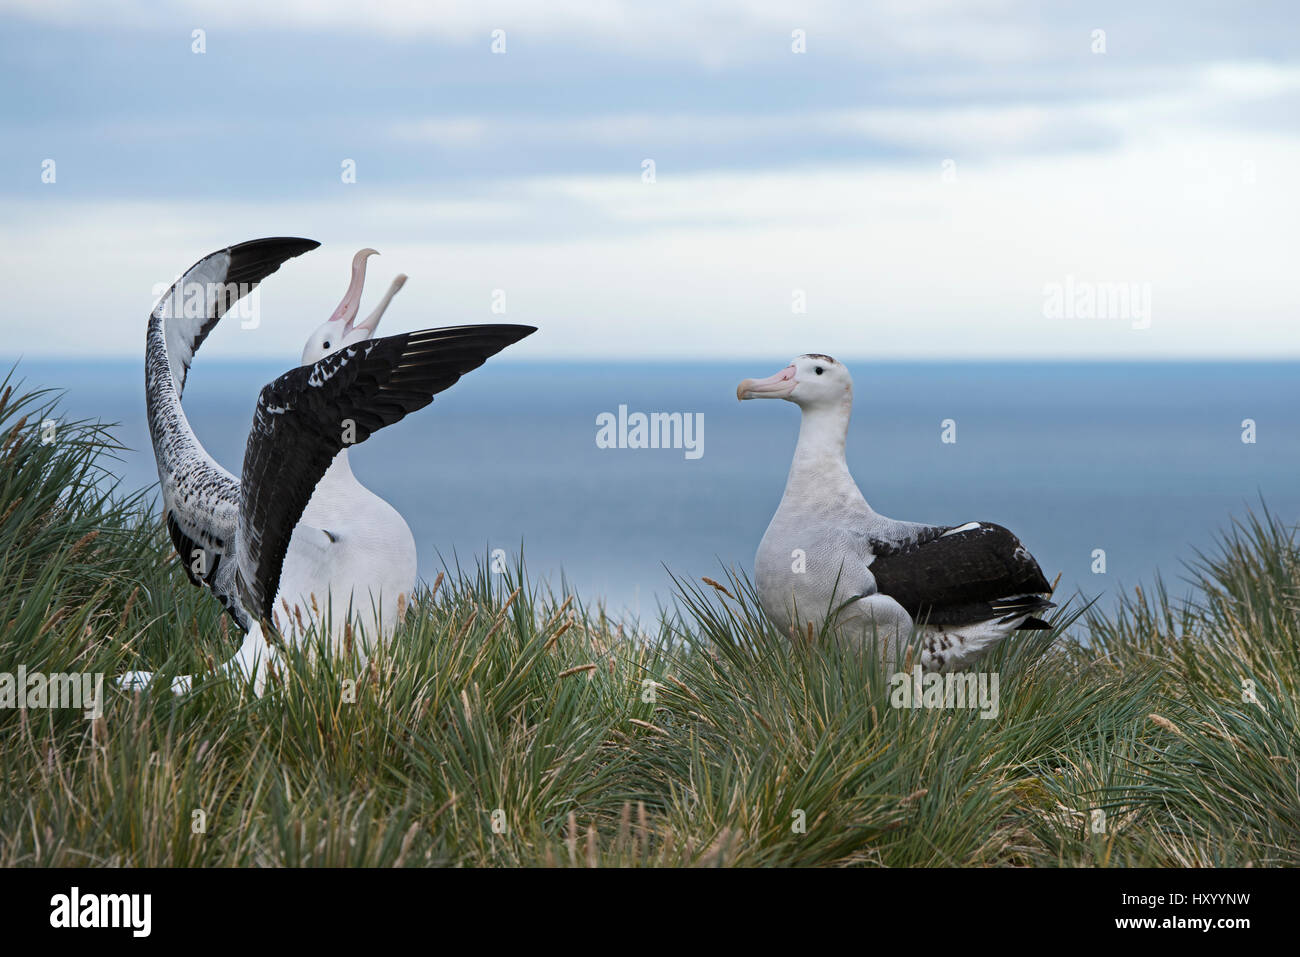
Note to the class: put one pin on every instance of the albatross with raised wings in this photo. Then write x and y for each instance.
(827, 553)
(296, 532)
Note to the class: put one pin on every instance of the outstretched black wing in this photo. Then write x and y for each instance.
(200, 498)
(305, 417)
(970, 573)
(196, 302)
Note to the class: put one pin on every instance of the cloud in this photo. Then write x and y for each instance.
(1167, 162)
(718, 33)
(893, 260)
(1210, 95)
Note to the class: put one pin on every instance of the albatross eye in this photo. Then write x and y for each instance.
(326, 344)
(820, 370)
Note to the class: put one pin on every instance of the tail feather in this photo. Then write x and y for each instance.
(1034, 624)
(1009, 609)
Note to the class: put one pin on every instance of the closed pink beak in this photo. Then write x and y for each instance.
(773, 387)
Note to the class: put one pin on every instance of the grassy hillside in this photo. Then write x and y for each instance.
(507, 726)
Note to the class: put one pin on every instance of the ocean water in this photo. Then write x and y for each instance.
(1143, 460)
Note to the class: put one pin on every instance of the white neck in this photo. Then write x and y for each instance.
(339, 472)
(338, 496)
(819, 469)
(338, 483)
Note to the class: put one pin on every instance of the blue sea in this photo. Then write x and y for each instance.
(1142, 460)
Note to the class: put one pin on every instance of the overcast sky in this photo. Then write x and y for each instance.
(923, 179)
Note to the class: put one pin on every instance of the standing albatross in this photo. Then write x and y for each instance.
(828, 553)
(296, 530)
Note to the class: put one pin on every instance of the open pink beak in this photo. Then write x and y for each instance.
(773, 387)
(372, 320)
(347, 310)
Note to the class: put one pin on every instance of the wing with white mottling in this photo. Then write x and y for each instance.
(305, 417)
(196, 302)
(200, 498)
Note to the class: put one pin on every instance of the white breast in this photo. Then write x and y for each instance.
(369, 566)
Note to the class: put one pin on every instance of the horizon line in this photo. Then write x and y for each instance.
(17, 360)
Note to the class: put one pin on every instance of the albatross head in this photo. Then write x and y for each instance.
(811, 381)
(342, 328)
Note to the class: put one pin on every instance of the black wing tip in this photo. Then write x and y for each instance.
(288, 246)
(503, 332)
(1034, 624)
(1009, 608)
(482, 341)
(513, 334)
(249, 262)
(253, 261)
(258, 258)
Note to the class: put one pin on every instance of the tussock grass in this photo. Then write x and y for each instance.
(506, 725)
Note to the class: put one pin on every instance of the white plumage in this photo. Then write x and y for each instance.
(828, 555)
(297, 538)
